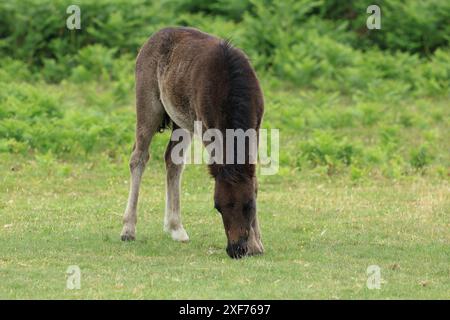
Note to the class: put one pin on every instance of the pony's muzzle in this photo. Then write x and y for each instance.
(238, 249)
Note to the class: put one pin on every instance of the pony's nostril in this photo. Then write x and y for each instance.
(238, 250)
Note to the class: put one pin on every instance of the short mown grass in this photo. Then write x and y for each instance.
(320, 236)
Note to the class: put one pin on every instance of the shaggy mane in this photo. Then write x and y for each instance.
(237, 109)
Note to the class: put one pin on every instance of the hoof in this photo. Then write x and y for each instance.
(127, 237)
(254, 243)
(255, 248)
(127, 234)
(179, 234)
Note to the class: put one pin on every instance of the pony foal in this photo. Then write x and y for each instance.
(184, 75)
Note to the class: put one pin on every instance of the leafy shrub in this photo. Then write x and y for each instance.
(233, 9)
(357, 99)
(310, 43)
(35, 120)
(413, 26)
(122, 24)
(325, 149)
(420, 157)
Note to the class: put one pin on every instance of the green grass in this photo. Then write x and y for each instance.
(320, 236)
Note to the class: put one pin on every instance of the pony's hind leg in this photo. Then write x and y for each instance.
(172, 216)
(150, 115)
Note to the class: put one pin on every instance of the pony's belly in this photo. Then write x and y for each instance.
(183, 118)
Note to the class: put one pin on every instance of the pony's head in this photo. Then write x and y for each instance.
(236, 202)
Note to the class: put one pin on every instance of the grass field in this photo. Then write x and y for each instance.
(320, 236)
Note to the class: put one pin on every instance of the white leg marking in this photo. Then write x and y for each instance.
(172, 216)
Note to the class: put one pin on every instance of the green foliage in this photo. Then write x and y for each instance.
(33, 30)
(413, 26)
(346, 99)
(35, 119)
(232, 9)
(420, 157)
(326, 150)
(309, 43)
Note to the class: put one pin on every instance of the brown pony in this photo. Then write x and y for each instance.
(184, 75)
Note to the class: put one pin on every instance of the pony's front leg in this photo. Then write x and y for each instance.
(172, 216)
(254, 243)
